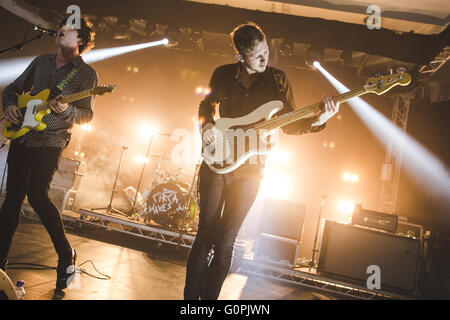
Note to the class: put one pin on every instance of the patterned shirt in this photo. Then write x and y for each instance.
(42, 74)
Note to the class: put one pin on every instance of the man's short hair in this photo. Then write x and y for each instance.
(246, 36)
(86, 34)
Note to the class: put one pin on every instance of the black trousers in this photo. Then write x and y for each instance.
(30, 172)
(218, 229)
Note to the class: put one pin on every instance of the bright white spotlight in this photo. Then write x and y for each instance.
(86, 127)
(147, 131)
(346, 207)
(10, 69)
(347, 176)
(279, 156)
(141, 159)
(420, 164)
(102, 54)
(316, 64)
(276, 185)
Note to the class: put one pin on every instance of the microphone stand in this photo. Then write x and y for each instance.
(110, 208)
(20, 45)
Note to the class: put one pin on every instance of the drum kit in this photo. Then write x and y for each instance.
(170, 201)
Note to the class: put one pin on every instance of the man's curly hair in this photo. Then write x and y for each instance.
(86, 33)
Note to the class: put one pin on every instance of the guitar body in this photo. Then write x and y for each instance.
(237, 141)
(32, 119)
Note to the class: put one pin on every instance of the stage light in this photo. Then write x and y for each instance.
(206, 91)
(313, 56)
(86, 127)
(420, 164)
(10, 69)
(76, 153)
(202, 91)
(345, 207)
(197, 39)
(346, 57)
(141, 159)
(350, 177)
(102, 54)
(279, 157)
(276, 184)
(199, 90)
(146, 131)
(287, 48)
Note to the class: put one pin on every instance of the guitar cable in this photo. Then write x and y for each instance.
(36, 266)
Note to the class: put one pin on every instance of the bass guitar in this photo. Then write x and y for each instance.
(238, 139)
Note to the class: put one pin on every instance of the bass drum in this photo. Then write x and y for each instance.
(166, 206)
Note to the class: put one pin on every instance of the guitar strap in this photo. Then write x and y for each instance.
(61, 85)
(279, 83)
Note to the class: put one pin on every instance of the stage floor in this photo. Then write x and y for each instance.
(139, 268)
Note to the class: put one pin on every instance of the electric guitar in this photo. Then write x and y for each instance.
(34, 108)
(238, 139)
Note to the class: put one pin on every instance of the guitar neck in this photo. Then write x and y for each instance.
(307, 111)
(67, 99)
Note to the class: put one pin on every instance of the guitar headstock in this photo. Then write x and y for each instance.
(382, 84)
(101, 90)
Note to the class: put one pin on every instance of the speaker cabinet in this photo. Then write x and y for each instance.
(280, 232)
(64, 199)
(68, 176)
(283, 218)
(277, 250)
(347, 251)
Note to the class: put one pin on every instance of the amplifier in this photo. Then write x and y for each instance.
(348, 251)
(277, 250)
(67, 175)
(283, 218)
(373, 219)
(64, 199)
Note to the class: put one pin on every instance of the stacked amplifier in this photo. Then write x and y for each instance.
(65, 184)
(280, 233)
(373, 240)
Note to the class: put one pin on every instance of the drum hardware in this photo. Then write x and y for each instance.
(147, 155)
(110, 208)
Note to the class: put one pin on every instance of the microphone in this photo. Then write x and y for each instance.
(51, 33)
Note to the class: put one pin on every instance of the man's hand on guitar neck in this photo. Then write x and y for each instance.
(13, 114)
(330, 108)
(56, 105)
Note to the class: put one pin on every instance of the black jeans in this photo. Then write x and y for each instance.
(217, 228)
(30, 172)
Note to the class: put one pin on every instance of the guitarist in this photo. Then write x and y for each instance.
(238, 89)
(34, 157)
